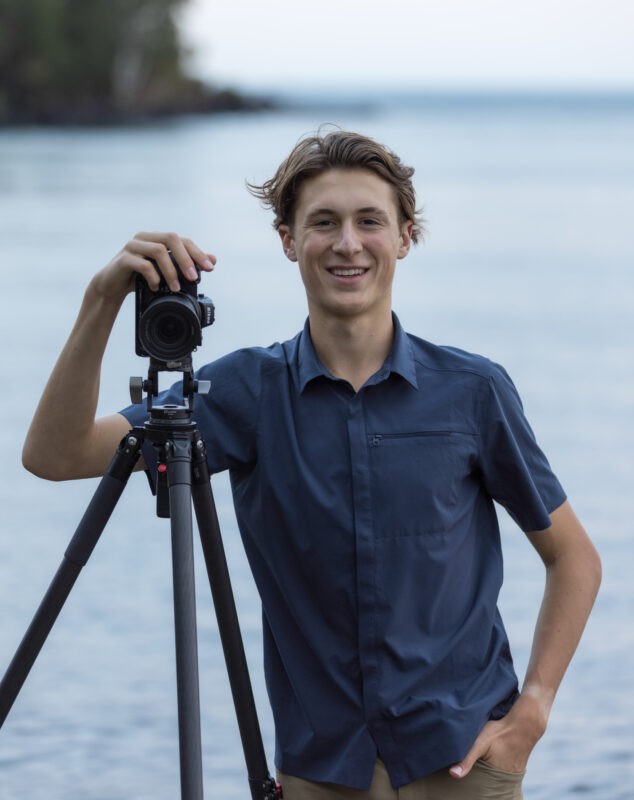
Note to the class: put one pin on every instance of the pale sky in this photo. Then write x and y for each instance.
(449, 44)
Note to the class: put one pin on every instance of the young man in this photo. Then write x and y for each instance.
(364, 464)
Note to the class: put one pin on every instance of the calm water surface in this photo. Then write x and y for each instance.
(528, 260)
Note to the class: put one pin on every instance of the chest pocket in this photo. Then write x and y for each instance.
(415, 480)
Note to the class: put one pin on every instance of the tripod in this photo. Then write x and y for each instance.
(182, 476)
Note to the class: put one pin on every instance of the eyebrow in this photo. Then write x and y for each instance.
(373, 210)
(329, 211)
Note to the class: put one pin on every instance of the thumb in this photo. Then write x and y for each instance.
(463, 768)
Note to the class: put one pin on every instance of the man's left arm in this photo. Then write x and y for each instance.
(573, 576)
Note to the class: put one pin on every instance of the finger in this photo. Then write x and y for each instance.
(183, 258)
(184, 250)
(158, 252)
(172, 242)
(137, 264)
(463, 768)
(460, 770)
(210, 262)
(205, 261)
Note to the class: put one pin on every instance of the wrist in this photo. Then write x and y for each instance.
(97, 315)
(96, 296)
(542, 696)
(531, 711)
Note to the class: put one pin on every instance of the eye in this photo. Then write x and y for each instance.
(369, 222)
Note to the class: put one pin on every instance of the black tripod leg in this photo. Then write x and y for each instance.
(179, 476)
(262, 786)
(77, 554)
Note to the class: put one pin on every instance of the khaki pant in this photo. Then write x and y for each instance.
(484, 782)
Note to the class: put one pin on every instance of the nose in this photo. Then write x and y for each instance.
(348, 242)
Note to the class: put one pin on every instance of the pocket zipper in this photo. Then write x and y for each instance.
(376, 438)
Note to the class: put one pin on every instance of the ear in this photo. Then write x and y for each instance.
(406, 238)
(288, 243)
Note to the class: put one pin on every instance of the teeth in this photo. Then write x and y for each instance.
(344, 273)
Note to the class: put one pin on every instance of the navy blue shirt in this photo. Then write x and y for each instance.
(369, 525)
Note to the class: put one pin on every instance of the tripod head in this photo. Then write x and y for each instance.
(150, 385)
(167, 422)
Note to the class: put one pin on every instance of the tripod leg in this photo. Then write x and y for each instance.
(77, 554)
(262, 785)
(179, 471)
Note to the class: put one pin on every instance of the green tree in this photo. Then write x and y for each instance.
(91, 60)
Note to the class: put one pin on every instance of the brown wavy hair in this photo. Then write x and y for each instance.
(338, 150)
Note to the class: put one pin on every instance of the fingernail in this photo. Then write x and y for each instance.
(208, 264)
(456, 770)
(175, 285)
(192, 274)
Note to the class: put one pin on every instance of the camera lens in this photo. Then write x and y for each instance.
(169, 329)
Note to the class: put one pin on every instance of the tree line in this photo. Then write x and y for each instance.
(98, 61)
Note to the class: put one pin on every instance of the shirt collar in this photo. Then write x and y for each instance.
(400, 359)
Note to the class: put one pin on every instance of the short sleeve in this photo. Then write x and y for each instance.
(226, 417)
(515, 472)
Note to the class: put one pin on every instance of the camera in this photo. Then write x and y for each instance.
(169, 324)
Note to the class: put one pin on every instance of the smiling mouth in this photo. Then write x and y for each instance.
(349, 272)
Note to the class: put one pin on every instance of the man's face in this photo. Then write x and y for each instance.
(347, 237)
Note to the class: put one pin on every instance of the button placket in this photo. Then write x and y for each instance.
(365, 555)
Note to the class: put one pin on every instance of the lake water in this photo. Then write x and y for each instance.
(529, 260)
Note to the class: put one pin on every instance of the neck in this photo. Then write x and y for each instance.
(352, 348)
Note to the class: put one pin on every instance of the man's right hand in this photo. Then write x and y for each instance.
(65, 441)
(117, 278)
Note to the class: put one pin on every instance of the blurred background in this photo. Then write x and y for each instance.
(122, 116)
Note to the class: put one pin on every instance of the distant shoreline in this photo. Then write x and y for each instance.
(386, 97)
(102, 113)
(209, 102)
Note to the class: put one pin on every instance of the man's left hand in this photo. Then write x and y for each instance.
(507, 743)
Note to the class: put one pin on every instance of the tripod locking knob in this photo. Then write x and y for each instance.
(202, 387)
(136, 390)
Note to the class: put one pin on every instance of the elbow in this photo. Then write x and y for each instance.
(597, 570)
(590, 569)
(40, 465)
(592, 564)
(29, 462)
(582, 566)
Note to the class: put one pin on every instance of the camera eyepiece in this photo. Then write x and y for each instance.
(169, 324)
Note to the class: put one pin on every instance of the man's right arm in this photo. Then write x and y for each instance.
(65, 440)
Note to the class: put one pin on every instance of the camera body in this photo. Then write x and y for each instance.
(169, 324)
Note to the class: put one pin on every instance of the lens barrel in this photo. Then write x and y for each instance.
(169, 329)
